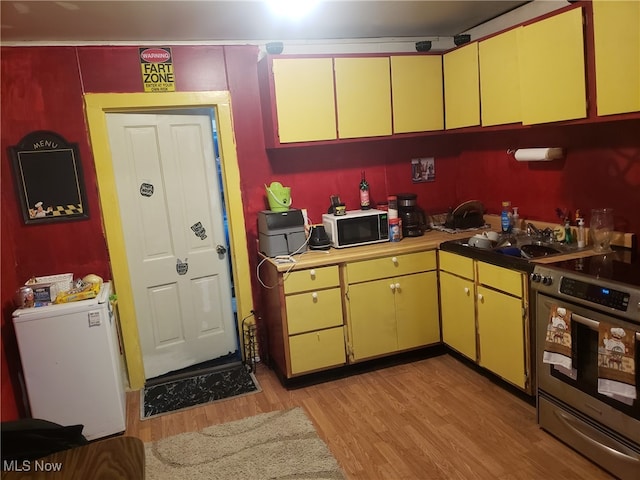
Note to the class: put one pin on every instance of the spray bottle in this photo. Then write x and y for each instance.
(515, 220)
(581, 237)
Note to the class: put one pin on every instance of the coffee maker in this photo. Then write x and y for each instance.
(414, 222)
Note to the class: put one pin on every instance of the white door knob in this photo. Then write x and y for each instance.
(397, 286)
(394, 259)
(312, 272)
(466, 290)
(314, 295)
(480, 297)
(392, 286)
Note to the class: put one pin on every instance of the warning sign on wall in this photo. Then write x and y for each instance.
(157, 69)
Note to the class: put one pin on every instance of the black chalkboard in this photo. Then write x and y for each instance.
(48, 178)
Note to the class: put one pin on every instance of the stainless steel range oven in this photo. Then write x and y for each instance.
(587, 357)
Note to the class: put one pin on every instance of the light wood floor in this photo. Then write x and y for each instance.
(431, 419)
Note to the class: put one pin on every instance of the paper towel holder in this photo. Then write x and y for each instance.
(536, 154)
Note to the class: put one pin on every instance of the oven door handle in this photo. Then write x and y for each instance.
(587, 322)
(593, 324)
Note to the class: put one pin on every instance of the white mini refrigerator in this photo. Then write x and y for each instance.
(72, 364)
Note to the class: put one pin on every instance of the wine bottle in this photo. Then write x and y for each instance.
(365, 203)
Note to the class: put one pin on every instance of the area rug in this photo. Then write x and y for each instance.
(275, 445)
(199, 389)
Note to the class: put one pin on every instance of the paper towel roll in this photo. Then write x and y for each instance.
(538, 154)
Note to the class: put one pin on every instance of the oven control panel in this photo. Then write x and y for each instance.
(601, 295)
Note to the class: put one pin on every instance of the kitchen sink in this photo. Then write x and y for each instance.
(534, 249)
(511, 251)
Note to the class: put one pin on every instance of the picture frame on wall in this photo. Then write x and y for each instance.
(49, 180)
(423, 170)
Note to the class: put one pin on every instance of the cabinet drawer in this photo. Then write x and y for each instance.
(317, 350)
(312, 279)
(456, 264)
(500, 278)
(314, 310)
(391, 266)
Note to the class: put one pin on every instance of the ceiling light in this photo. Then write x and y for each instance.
(293, 9)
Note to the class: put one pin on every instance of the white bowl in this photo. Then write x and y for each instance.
(493, 236)
(480, 241)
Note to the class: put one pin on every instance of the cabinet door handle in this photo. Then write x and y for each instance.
(392, 286)
(312, 272)
(314, 295)
(397, 286)
(394, 260)
(480, 297)
(466, 290)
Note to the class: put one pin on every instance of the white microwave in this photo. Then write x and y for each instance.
(357, 227)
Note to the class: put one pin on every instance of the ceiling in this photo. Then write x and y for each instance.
(239, 20)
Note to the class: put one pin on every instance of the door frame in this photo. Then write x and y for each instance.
(97, 106)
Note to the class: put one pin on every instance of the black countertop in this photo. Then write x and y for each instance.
(462, 247)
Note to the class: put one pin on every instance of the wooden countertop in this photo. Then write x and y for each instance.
(431, 240)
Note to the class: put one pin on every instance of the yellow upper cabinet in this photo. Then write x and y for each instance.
(305, 100)
(500, 79)
(461, 87)
(416, 86)
(363, 96)
(616, 26)
(552, 71)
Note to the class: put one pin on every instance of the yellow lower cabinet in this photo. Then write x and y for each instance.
(373, 318)
(457, 303)
(317, 350)
(502, 335)
(314, 310)
(416, 301)
(394, 314)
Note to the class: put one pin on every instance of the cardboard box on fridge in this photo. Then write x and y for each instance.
(46, 289)
(44, 293)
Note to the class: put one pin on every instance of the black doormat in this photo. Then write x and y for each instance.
(220, 363)
(198, 389)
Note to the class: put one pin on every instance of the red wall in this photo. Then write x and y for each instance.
(42, 88)
(601, 168)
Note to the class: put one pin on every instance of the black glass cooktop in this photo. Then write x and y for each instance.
(620, 266)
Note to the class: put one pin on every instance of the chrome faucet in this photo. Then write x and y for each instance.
(546, 235)
(532, 230)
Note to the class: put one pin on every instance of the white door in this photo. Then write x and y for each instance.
(171, 213)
